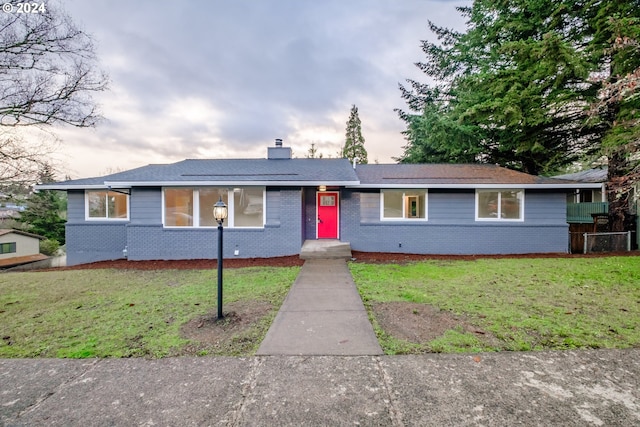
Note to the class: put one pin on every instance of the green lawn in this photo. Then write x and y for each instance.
(527, 304)
(124, 313)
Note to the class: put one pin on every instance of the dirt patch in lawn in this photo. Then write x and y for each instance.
(235, 333)
(421, 323)
(245, 324)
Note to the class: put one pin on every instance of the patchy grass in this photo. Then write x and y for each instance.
(125, 313)
(527, 304)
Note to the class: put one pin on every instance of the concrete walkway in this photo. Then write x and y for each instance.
(322, 315)
(572, 388)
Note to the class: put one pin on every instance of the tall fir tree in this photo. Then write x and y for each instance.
(512, 90)
(354, 144)
(534, 85)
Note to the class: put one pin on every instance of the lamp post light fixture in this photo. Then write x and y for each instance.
(220, 214)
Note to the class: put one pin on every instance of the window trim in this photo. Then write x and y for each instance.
(229, 222)
(499, 191)
(105, 218)
(404, 204)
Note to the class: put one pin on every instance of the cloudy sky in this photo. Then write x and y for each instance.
(224, 78)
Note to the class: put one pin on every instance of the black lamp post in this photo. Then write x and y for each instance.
(220, 214)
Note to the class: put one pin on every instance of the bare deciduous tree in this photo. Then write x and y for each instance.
(48, 74)
(21, 157)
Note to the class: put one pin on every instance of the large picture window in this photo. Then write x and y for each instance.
(207, 197)
(248, 206)
(403, 204)
(178, 207)
(107, 205)
(500, 205)
(193, 207)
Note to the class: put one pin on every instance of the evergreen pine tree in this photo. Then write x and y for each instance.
(312, 152)
(42, 215)
(511, 90)
(354, 144)
(516, 87)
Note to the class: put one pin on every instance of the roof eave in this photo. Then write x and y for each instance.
(271, 183)
(347, 184)
(568, 186)
(23, 233)
(63, 187)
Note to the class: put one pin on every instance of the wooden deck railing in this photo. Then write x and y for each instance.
(580, 213)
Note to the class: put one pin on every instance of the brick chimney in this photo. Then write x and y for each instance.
(278, 152)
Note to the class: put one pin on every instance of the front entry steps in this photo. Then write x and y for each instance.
(325, 249)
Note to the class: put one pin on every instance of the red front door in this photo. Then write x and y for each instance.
(327, 207)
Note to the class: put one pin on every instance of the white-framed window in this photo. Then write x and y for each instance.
(586, 196)
(500, 205)
(193, 207)
(403, 205)
(106, 205)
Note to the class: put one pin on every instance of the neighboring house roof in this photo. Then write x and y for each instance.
(315, 172)
(5, 231)
(589, 175)
(19, 260)
(452, 176)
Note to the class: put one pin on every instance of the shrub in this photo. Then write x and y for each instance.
(49, 246)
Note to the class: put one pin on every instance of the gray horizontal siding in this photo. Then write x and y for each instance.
(442, 207)
(458, 207)
(75, 206)
(452, 229)
(542, 207)
(146, 239)
(310, 218)
(451, 207)
(273, 207)
(90, 241)
(281, 236)
(146, 206)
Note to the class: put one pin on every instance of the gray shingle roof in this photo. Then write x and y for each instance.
(446, 174)
(314, 172)
(229, 171)
(589, 175)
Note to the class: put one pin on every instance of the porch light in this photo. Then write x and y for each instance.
(220, 211)
(323, 188)
(220, 214)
